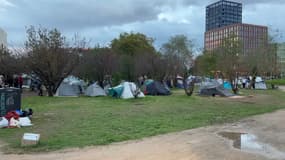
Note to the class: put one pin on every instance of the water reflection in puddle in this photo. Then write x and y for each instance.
(249, 143)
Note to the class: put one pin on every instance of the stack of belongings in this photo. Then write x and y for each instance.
(16, 119)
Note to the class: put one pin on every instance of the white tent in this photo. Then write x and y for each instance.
(70, 87)
(130, 90)
(259, 83)
(95, 90)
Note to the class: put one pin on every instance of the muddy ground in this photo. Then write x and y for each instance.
(196, 144)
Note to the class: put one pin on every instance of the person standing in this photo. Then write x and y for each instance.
(1, 81)
(20, 81)
(244, 83)
(39, 87)
(253, 82)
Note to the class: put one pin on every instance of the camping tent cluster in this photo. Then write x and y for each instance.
(74, 87)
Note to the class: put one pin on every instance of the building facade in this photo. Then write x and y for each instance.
(223, 13)
(3, 38)
(251, 36)
(281, 58)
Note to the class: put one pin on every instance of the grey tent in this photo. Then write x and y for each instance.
(95, 90)
(213, 89)
(259, 83)
(70, 87)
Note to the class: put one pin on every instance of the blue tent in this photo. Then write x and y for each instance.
(227, 85)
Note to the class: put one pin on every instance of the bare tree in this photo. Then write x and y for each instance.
(10, 64)
(97, 63)
(50, 57)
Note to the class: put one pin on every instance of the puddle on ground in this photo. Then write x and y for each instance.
(249, 143)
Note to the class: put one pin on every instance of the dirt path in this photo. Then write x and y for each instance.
(196, 144)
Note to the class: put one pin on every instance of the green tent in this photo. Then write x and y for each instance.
(116, 91)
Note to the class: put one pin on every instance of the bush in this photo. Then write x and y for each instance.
(276, 82)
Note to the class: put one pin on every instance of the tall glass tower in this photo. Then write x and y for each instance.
(223, 13)
(3, 38)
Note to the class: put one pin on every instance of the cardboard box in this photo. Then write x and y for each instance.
(30, 139)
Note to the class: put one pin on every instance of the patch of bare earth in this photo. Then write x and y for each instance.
(196, 144)
(282, 88)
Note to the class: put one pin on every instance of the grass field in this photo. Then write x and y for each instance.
(85, 121)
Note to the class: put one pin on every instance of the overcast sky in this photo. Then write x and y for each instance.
(100, 21)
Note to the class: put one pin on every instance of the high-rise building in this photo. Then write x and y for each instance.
(223, 13)
(224, 18)
(251, 36)
(281, 58)
(3, 38)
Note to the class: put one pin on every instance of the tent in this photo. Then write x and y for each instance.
(125, 90)
(179, 83)
(156, 88)
(95, 90)
(259, 83)
(213, 89)
(115, 91)
(130, 91)
(227, 85)
(70, 87)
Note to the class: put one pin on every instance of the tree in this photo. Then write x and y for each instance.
(10, 64)
(128, 46)
(228, 59)
(178, 52)
(263, 59)
(205, 64)
(132, 44)
(151, 65)
(50, 57)
(6, 60)
(98, 63)
(181, 48)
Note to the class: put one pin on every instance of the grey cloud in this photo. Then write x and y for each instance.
(103, 20)
(71, 14)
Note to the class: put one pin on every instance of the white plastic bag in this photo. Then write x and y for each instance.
(3, 122)
(25, 121)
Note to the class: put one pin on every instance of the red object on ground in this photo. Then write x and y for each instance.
(11, 114)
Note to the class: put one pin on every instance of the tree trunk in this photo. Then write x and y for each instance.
(189, 89)
(50, 91)
(234, 85)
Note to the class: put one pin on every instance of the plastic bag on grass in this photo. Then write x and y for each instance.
(25, 121)
(3, 122)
